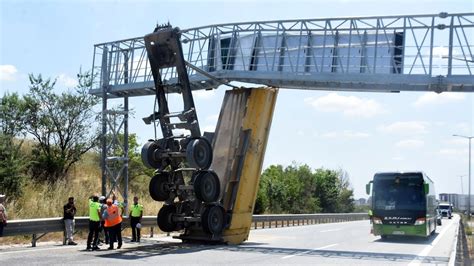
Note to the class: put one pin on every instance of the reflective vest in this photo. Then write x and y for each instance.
(137, 210)
(94, 208)
(113, 216)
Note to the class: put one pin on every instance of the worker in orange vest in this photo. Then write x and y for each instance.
(113, 223)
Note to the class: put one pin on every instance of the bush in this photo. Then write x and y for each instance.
(299, 189)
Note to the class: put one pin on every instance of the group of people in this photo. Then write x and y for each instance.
(105, 215)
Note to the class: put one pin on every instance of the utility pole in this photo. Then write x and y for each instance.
(469, 188)
(462, 188)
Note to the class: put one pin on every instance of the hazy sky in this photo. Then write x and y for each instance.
(362, 133)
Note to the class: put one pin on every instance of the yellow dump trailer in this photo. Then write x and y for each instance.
(239, 149)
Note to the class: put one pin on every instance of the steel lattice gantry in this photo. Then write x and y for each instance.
(391, 53)
(375, 54)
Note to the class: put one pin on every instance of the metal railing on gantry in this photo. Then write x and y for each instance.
(386, 53)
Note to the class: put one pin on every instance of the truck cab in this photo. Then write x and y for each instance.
(446, 209)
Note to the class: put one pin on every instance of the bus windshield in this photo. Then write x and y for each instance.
(444, 207)
(399, 192)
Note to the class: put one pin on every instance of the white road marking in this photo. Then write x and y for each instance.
(452, 257)
(306, 252)
(330, 230)
(427, 249)
(36, 249)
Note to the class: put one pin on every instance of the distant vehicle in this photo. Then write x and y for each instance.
(438, 217)
(446, 209)
(403, 204)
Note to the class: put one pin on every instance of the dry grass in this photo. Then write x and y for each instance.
(47, 200)
(468, 229)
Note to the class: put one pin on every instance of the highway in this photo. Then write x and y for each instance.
(334, 243)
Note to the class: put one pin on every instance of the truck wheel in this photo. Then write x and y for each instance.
(158, 187)
(199, 153)
(206, 186)
(165, 218)
(213, 219)
(148, 155)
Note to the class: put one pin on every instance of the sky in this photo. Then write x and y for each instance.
(361, 133)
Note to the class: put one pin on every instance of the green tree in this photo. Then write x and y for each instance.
(275, 188)
(346, 193)
(13, 162)
(262, 201)
(61, 125)
(327, 189)
(299, 189)
(287, 190)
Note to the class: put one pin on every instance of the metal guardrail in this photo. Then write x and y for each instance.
(37, 228)
(260, 221)
(461, 250)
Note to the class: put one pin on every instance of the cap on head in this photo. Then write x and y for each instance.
(102, 198)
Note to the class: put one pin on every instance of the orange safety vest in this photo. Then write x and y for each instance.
(113, 217)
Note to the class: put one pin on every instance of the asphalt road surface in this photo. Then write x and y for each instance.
(335, 243)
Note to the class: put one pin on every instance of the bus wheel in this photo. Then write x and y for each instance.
(383, 237)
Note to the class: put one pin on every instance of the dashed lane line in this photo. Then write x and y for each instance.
(330, 230)
(306, 252)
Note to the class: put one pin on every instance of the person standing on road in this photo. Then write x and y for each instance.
(103, 208)
(94, 223)
(136, 214)
(113, 223)
(121, 205)
(68, 217)
(3, 215)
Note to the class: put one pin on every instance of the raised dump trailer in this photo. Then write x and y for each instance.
(403, 203)
(208, 183)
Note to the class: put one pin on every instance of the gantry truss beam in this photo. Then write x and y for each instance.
(383, 54)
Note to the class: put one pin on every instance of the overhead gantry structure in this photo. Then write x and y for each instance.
(371, 54)
(382, 54)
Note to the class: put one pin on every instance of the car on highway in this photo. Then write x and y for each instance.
(446, 209)
(438, 217)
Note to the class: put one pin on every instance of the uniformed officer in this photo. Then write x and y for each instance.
(94, 223)
(136, 214)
